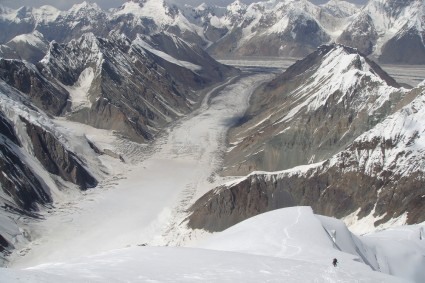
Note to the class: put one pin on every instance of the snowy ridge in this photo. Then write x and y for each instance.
(35, 39)
(341, 71)
(245, 253)
(140, 42)
(332, 239)
(157, 11)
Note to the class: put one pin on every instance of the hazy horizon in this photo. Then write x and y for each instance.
(107, 4)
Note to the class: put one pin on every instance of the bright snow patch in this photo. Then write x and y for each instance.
(79, 92)
(166, 57)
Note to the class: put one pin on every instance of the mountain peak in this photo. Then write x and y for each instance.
(84, 7)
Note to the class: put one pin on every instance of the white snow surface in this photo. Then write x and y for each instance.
(35, 39)
(185, 64)
(290, 245)
(79, 92)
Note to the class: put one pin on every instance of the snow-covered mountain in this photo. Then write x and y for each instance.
(373, 178)
(313, 110)
(276, 28)
(132, 87)
(389, 30)
(133, 17)
(31, 47)
(382, 29)
(85, 91)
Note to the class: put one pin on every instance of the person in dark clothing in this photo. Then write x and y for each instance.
(335, 262)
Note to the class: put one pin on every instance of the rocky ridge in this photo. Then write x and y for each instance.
(374, 172)
(313, 110)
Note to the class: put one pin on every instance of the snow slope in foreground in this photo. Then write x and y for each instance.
(289, 245)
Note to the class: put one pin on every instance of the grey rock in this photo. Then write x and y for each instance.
(272, 137)
(26, 78)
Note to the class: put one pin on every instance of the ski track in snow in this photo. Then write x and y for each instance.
(146, 198)
(297, 249)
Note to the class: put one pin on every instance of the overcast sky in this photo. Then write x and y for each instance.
(106, 4)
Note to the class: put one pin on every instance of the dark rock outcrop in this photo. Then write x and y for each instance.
(56, 159)
(17, 174)
(26, 78)
(381, 174)
(394, 51)
(224, 207)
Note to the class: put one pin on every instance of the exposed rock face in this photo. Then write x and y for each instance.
(360, 34)
(223, 208)
(381, 174)
(26, 78)
(133, 88)
(312, 111)
(56, 159)
(394, 51)
(17, 174)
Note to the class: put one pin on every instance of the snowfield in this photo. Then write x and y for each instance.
(130, 227)
(289, 245)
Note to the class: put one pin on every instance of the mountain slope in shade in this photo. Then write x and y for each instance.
(312, 111)
(37, 162)
(31, 47)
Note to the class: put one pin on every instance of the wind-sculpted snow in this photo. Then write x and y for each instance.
(290, 245)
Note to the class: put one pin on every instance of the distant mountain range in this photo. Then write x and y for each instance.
(383, 30)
